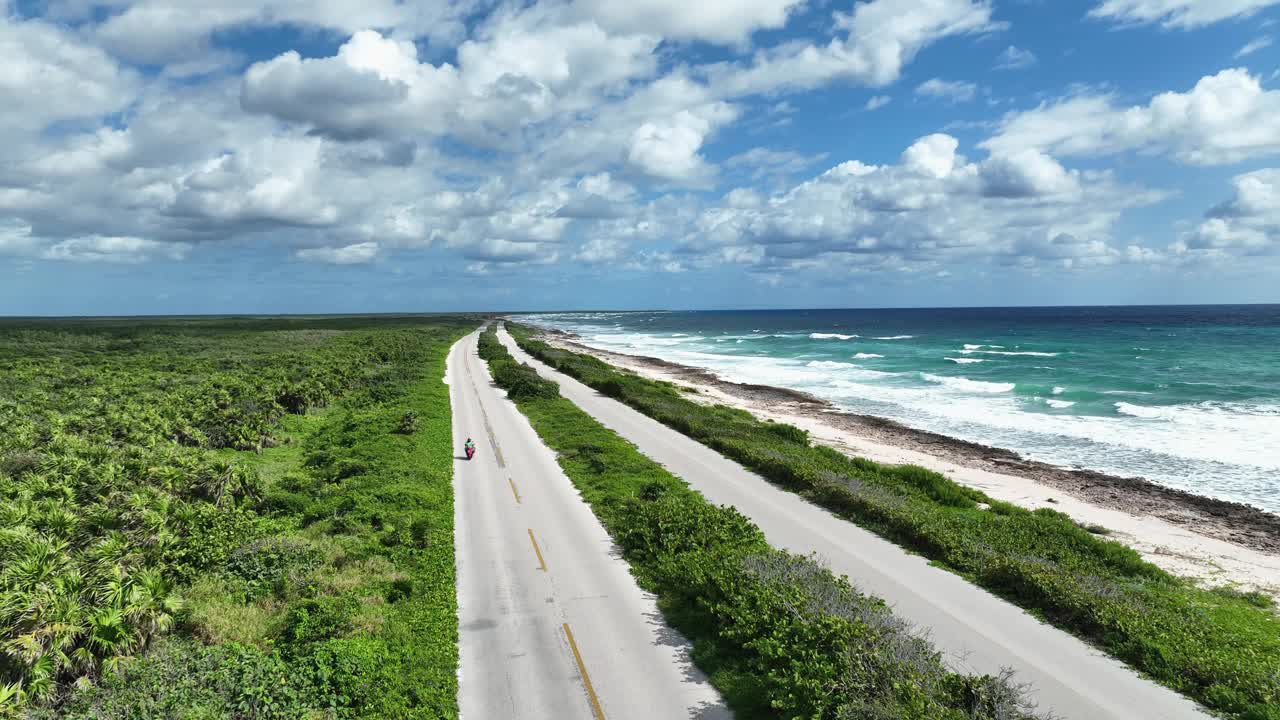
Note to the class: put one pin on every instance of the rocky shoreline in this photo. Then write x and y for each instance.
(1232, 522)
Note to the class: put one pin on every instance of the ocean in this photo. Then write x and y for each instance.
(1185, 396)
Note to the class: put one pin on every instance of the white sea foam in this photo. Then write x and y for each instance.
(1010, 352)
(1228, 450)
(866, 356)
(1059, 403)
(1142, 411)
(831, 336)
(965, 361)
(1058, 390)
(828, 365)
(979, 347)
(894, 337)
(967, 385)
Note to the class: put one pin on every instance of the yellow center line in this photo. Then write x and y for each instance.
(513, 490)
(542, 564)
(586, 679)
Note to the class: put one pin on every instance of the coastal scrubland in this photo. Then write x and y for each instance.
(227, 518)
(777, 633)
(1218, 646)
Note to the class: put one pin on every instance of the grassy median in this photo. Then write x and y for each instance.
(227, 519)
(1220, 647)
(778, 634)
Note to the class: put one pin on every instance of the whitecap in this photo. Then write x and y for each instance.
(866, 356)
(967, 385)
(1058, 390)
(895, 337)
(1142, 411)
(830, 336)
(965, 361)
(828, 365)
(1007, 352)
(1125, 392)
(1059, 403)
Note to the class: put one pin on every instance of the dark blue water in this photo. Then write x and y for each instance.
(1187, 396)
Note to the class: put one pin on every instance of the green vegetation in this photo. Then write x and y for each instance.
(1222, 648)
(227, 518)
(779, 635)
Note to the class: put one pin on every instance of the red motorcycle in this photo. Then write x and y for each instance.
(470, 450)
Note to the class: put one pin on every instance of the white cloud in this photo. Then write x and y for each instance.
(374, 85)
(98, 248)
(1248, 223)
(1181, 14)
(882, 36)
(19, 240)
(16, 239)
(1015, 58)
(1026, 173)
(932, 209)
(933, 155)
(724, 22)
(1225, 118)
(274, 181)
(354, 254)
(877, 102)
(669, 148)
(1255, 45)
(50, 75)
(762, 162)
(950, 90)
(162, 32)
(521, 69)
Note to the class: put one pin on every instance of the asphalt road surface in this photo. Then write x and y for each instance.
(975, 630)
(551, 623)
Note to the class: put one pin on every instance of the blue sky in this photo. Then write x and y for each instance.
(380, 156)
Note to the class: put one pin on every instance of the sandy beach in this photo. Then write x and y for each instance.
(1212, 541)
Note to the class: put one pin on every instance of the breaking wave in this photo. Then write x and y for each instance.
(967, 385)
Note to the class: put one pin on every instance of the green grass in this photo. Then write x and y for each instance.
(1220, 648)
(778, 635)
(215, 519)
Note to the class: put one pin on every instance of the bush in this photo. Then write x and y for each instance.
(183, 679)
(779, 635)
(1199, 642)
(266, 564)
(522, 382)
(138, 456)
(408, 423)
(316, 619)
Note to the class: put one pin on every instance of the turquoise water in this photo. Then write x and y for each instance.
(1184, 396)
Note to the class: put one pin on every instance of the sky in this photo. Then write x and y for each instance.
(318, 156)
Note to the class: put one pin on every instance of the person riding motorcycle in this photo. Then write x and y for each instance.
(469, 448)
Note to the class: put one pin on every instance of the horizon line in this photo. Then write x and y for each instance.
(426, 313)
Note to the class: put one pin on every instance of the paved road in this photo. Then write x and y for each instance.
(552, 625)
(975, 630)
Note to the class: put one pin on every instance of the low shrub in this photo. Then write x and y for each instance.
(521, 382)
(1200, 642)
(267, 563)
(778, 634)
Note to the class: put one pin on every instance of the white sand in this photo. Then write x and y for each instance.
(1172, 547)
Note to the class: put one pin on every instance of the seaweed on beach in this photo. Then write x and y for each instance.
(1220, 648)
(778, 634)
